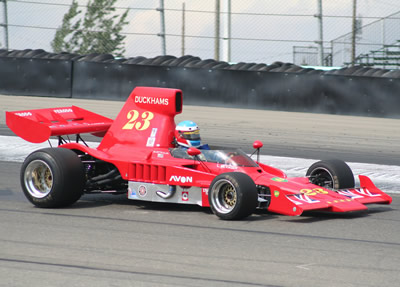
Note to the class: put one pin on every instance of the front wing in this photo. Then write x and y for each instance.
(343, 200)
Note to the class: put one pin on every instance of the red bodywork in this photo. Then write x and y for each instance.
(139, 140)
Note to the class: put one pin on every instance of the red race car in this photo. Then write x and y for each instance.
(138, 156)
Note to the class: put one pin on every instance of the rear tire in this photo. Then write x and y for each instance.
(331, 174)
(52, 177)
(233, 195)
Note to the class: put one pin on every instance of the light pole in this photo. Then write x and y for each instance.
(321, 35)
(162, 33)
(5, 25)
(217, 30)
(226, 47)
(183, 28)
(353, 35)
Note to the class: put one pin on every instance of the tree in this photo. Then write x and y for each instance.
(98, 32)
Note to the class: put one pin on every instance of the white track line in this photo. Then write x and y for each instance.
(386, 177)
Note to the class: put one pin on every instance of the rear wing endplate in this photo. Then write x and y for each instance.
(37, 126)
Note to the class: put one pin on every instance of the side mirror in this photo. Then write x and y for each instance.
(258, 144)
(192, 151)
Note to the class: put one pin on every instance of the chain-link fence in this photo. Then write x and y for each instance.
(262, 31)
(309, 56)
(377, 44)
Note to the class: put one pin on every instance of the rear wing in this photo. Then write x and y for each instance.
(37, 126)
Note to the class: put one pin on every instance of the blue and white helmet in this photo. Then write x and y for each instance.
(187, 134)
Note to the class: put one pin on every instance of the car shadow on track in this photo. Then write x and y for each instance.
(101, 200)
(315, 216)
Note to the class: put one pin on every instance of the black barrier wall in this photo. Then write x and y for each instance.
(279, 91)
(279, 86)
(36, 77)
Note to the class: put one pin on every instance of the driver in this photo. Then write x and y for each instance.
(187, 134)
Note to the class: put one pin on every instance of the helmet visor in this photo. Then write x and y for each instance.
(191, 135)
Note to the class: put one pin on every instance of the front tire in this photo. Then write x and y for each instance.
(332, 174)
(52, 177)
(233, 195)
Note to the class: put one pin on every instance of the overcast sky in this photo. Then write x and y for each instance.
(272, 30)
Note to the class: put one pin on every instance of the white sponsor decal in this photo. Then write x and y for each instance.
(161, 152)
(150, 142)
(152, 139)
(228, 166)
(153, 132)
(131, 192)
(182, 179)
(142, 190)
(185, 195)
(61, 111)
(349, 193)
(301, 198)
(366, 192)
(151, 100)
(25, 114)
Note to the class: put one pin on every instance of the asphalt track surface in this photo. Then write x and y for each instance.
(106, 240)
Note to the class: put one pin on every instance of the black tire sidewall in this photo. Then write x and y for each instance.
(68, 177)
(343, 175)
(246, 195)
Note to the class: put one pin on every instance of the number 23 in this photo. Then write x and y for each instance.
(133, 121)
(313, 191)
